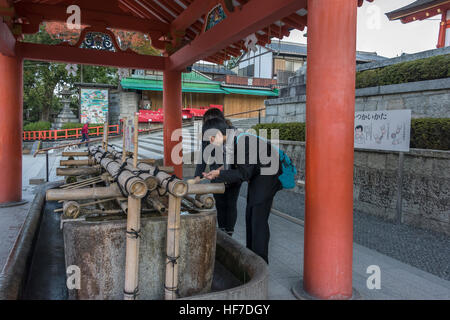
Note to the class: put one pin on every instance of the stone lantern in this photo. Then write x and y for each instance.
(66, 115)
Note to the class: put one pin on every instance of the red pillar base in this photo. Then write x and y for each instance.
(13, 204)
(301, 294)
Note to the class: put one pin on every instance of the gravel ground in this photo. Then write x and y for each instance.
(419, 248)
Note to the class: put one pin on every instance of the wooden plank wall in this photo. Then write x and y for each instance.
(236, 103)
(189, 98)
(233, 103)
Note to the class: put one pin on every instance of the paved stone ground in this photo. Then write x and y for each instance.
(398, 280)
(422, 249)
(11, 219)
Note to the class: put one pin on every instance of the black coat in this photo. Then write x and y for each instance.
(260, 187)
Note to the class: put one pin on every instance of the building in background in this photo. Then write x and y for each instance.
(213, 71)
(143, 90)
(280, 60)
(425, 9)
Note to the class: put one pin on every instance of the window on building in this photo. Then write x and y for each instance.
(248, 71)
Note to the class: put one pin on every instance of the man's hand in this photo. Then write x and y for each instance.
(194, 181)
(211, 175)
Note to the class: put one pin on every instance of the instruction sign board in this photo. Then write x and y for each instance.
(94, 105)
(128, 132)
(383, 130)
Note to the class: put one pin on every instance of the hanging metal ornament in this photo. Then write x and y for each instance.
(72, 70)
(123, 73)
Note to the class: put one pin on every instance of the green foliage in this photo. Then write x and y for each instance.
(294, 131)
(37, 126)
(43, 81)
(424, 69)
(427, 133)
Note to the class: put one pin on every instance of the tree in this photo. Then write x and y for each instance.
(41, 79)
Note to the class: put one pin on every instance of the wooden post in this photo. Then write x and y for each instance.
(136, 139)
(131, 289)
(106, 133)
(124, 151)
(173, 243)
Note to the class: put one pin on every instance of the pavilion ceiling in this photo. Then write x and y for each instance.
(174, 26)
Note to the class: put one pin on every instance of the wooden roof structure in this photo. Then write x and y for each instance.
(184, 30)
(419, 10)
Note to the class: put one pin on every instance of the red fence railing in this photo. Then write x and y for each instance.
(66, 133)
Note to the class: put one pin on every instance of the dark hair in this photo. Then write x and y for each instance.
(359, 127)
(213, 113)
(215, 124)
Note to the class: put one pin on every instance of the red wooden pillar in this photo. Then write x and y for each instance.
(10, 129)
(330, 111)
(172, 100)
(443, 29)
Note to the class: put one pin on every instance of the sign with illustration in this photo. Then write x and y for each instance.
(214, 16)
(383, 130)
(128, 131)
(94, 105)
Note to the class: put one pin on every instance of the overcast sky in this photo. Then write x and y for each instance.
(388, 38)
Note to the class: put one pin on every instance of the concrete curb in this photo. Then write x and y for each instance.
(245, 265)
(14, 273)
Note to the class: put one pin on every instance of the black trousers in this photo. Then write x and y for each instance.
(85, 137)
(226, 205)
(257, 227)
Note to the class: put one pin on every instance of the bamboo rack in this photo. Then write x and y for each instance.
(131, 289)
(173, 245)
(139, 178)
(74, 172)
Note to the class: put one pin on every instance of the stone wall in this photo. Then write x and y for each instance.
(423, 176)
(425, 98)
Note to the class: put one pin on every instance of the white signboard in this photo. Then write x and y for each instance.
(128, 131)
(383, 130)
